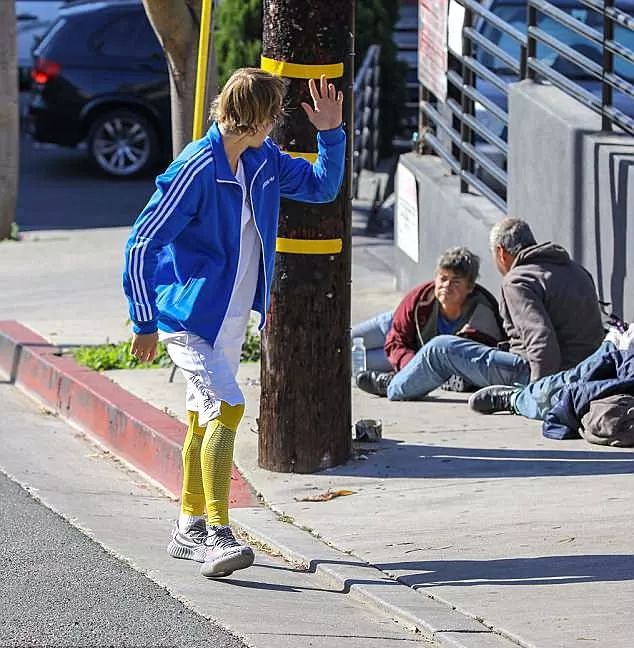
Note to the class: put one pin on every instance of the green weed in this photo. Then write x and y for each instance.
(105, 357)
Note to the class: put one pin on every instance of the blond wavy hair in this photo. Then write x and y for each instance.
(250, 98)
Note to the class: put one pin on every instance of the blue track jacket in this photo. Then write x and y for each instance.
(182, 256)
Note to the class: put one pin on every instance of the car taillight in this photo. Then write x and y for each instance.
(44, 70)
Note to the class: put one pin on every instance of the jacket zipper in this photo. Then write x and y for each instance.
(257, 229)
(235, 279)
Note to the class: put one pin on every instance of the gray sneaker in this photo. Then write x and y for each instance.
(190, 544)
(457, 383)
(224, 553)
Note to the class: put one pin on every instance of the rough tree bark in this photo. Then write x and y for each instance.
(305, 411)
(9, 125)
(177, 26)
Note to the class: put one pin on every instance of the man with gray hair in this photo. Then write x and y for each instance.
(549, 306)
(550, 313)
(549, 302)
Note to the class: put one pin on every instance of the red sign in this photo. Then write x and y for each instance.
(432, 46)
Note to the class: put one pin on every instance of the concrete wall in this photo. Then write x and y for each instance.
(574, 185)
(446, 218)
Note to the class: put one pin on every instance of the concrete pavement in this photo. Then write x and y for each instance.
(504, 537)
(93, 600)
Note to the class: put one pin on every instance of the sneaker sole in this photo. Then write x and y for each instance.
(227, 565)
(176, 550)
(458, 384)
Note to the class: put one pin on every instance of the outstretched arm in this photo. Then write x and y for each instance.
(318, 182)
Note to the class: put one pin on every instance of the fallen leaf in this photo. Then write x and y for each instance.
(325, 496)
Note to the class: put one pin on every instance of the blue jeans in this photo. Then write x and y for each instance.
(535, 400)
(447, 355)
(374, 332)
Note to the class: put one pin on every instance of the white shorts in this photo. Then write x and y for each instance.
(210, 373)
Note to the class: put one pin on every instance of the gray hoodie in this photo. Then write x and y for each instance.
(550, 309)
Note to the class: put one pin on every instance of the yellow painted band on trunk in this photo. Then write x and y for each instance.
(311, 157)
(309, 246)
(206, 17)
(299, 70)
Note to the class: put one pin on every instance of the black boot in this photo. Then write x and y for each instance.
(374, 382)
(496, 398)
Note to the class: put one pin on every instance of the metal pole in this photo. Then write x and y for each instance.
(467, 104)
(607, 92)
(531, 44)
(204, 42)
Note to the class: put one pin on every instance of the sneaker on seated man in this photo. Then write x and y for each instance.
(550, 312)
(452, 303)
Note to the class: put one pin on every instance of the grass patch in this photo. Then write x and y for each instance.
(105, 357)
(117, 356)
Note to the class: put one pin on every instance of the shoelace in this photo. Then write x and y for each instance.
(221, 536)
(384, 379)
(198, 531)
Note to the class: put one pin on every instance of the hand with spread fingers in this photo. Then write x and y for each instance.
(143, 347)
(327, 104)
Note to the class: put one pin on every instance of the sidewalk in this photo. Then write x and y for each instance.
(503, 536)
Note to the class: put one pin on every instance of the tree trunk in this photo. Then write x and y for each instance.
(176, 24)
(305, 409)
(9, 122)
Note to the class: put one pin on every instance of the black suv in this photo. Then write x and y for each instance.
(99, 76)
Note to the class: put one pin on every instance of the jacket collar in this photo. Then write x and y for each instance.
(252, 158)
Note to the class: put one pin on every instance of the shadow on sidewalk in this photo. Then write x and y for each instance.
(542, 570)
(395, 459)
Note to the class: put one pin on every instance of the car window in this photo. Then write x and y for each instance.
(66, 40)
(128, 35)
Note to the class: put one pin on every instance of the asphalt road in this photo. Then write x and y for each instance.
(60, 188)
(59, 588)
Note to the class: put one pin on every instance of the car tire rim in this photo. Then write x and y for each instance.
(121, 146)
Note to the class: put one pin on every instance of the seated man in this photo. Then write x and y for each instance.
(551, 316)
(451, 303)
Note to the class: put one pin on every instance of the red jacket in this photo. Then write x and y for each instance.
(402, 342)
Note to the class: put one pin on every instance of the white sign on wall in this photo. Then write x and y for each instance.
(454, 27)
(407, 212)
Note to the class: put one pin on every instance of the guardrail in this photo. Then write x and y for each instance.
(366, 116)
(596, 67)
(599, 54)
(470, 130)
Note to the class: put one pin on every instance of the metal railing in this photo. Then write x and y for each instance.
(594, 57)
(366, 116)
(469, 131)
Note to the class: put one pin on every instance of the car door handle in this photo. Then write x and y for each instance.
(26, 17)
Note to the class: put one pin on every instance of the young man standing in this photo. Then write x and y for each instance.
(200, 257)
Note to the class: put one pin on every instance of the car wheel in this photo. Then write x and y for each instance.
(122, 143)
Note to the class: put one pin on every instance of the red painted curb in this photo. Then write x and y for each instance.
(132, 429)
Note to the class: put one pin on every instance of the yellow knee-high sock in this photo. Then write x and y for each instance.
(193, 494)
(217, 459)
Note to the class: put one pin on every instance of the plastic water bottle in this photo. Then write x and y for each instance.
(358, 356)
